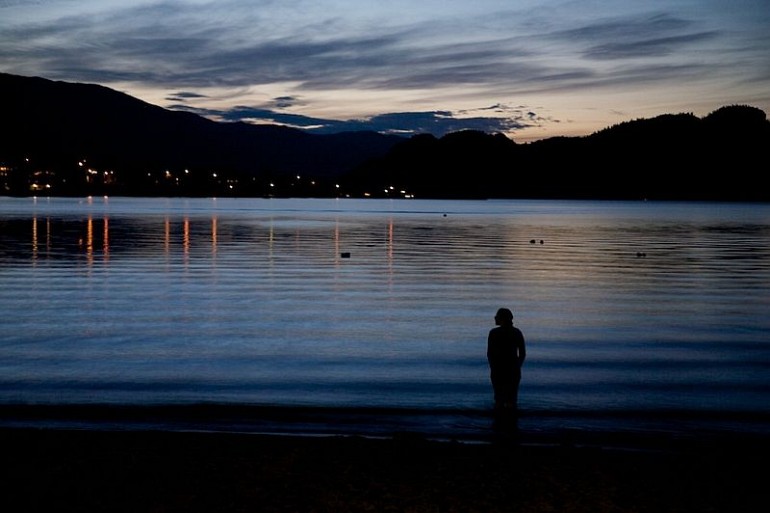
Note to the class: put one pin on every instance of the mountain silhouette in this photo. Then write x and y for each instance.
(57, 125)
(77, 139)
(669, 157)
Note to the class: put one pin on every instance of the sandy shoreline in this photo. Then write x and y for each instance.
(629, 428)
(86, 470)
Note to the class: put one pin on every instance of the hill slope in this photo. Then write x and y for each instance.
(58, 124)
(718, 157)
(77, 139)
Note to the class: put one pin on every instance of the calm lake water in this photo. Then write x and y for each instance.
(634, 312)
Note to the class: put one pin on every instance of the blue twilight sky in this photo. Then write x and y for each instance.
(529, 68)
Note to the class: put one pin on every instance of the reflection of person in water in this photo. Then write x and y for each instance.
(505, 353)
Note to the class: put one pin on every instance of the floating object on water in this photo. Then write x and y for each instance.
(345, 254)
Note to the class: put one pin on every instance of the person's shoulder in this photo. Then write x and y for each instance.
(496, 329)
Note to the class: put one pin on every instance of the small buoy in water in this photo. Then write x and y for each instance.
(541, 241)
(345, 255)
(532, 241)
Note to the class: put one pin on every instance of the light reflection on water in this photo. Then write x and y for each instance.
(624, 305)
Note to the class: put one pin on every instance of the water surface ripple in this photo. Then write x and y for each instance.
(626, 306)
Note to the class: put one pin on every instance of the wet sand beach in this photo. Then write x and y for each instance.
(159, 471)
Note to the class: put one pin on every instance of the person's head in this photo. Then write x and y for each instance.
(503, 316)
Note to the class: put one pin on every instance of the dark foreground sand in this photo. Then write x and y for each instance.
(133, 471)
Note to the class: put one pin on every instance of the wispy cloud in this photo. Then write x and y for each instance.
(437, 123)
(485, 53)
(636, 36)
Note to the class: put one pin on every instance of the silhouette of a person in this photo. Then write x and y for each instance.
(505, 353)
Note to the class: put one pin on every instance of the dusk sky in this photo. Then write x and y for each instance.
(529, 68)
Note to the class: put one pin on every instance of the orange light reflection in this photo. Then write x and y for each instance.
(106, 239)
(214, 235)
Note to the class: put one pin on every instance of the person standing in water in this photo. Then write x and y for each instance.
(505, 353)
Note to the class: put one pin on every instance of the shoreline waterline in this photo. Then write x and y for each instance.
(631, 428)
